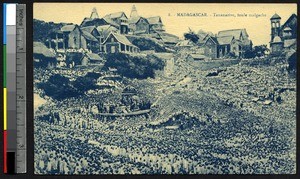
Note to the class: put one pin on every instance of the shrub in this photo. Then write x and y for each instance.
(134, 66)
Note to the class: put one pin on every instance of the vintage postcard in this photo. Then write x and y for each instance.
(154, 88)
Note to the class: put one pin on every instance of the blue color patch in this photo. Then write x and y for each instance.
(4, 23)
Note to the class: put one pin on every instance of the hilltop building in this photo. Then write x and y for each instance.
(233, 42)
(116, 43)
(283, 37)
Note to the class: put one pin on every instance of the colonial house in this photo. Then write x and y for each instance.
(116, 43)
(93, 37)
(91, 59)
(43, 56)
(104, 31)
(137, 24)
(98, 22)
(226, 43)
(283, 37)
(229, 45)
(155, 24)
(92, 41)
(210, 47)
(73, 37)
(121, 19)
(242, 39)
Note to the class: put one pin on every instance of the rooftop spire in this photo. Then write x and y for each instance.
(94, 14)
(133, 12)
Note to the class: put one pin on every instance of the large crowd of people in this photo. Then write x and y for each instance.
(70, 138)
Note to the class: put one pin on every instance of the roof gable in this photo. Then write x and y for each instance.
(225, 40)
(68, 28)
(210, 38)
(290, 19)
(154, 20)
(89, 36)
(116, 15)
(120, 38)
(88, 28)
(236, 33)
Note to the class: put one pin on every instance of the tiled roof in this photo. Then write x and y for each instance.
(233, 32)
(275, 16)
(225, 40)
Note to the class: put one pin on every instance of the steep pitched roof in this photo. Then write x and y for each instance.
(68, 28)
(209, 37)
(115, 15)
(110, 21)
(233, 32)
(275, 16)
(154, 20)
(134, 20)
(40, 48)
(106, 29)
(89, 36)
(225, 40)
(120, 38)
(98, 22)
(88, 28)
(289, 19)
(289, 42)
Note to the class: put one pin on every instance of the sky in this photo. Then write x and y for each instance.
(216, 18)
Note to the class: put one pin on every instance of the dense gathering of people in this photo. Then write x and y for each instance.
(236, 135)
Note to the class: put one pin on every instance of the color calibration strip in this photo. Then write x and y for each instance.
(10, 83)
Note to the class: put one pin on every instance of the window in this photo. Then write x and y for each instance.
(122, 47)
(74, 38)
(112, 39)
(273, 24)
(113, 49)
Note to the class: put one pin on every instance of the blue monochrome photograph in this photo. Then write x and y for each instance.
(156, 88)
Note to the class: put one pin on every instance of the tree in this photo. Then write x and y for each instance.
(256, 51)
(191, 36)
(58, 87)
(86, 82)
(134, 66)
